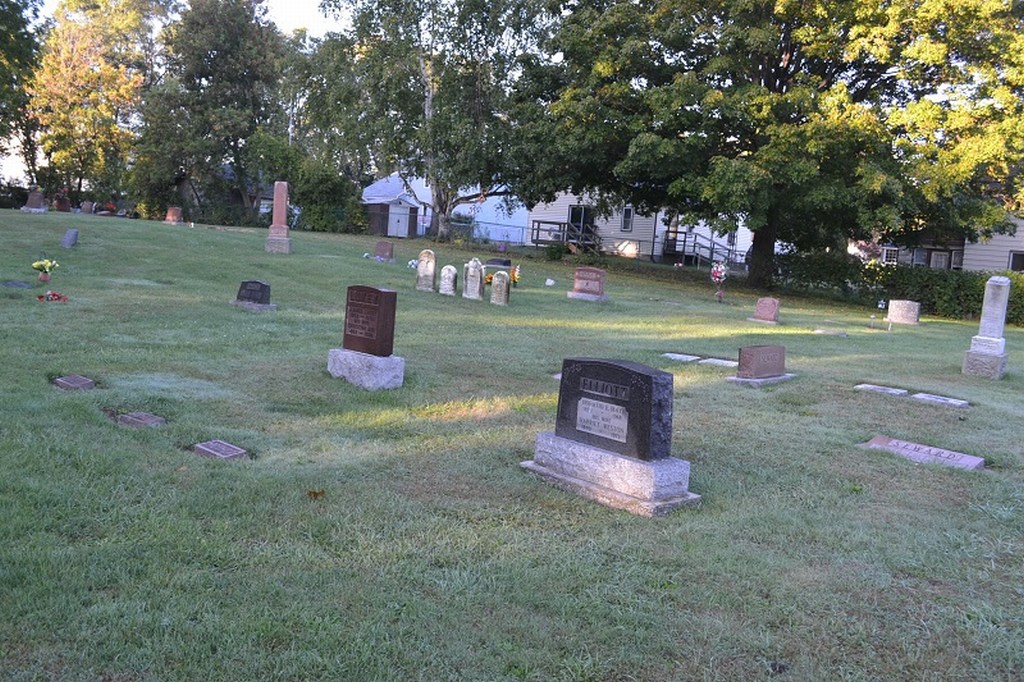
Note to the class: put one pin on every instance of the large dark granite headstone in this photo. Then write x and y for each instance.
(254, 291)
(370, 320)
(616, 405)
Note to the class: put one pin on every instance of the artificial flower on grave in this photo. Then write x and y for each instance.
(53, 296)
(514, 275)
(719, 272)
(45, 265)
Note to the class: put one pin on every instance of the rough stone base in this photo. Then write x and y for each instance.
(26, 209)
(644, 488)
(279, 245)
(371, 372)
(985, 365)
(760, 321)
(586, 297)
(255, 307)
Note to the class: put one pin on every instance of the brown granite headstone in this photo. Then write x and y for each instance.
(760, 362)
(766, 310)
(588, 284)
(370, 320)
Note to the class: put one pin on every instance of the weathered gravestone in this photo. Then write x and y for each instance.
(74, 382)
(500, 282)
(384, 250)
(588, 284)
(173, 215)
(449, 280)
(766, 311)
(761, 366)
(366, 358)
(87, 207)
(426, 273)
(987, 354)
(278, 241)
(473, 280)
(254, 295)
(924, 454)
(904, 312)
(36, 203)
(70, 239)
(613, 438)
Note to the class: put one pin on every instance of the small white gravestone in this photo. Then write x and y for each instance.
(473, 280)
(924, 454)
(987, 354)
(904, 312)
(499, 288)
(449, 280)
(425, 271)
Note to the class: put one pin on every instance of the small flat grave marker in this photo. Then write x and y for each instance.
(15, 284)
(924, 454)
(140, 420)
(718, 362)
(680, 357)
(874, 388)
(219, 449)
(941, 400)
(74, 382)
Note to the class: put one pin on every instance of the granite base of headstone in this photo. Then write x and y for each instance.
(924, 454)
(761, 366)
(370, 372)
(904, 312)
(219, 449)
(278, 245)
(987, 355)
(254, 296)
(70, 239)
(613, 438)
(74, 382)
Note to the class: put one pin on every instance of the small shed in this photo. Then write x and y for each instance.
(392, 209)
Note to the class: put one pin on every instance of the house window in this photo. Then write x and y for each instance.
(730, 238)
(956, 260)
(1017, 261)
(939, 260)
(890, 255)
(920, 256)
(627, 219)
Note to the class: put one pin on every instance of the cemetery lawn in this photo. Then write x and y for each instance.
(430, 554)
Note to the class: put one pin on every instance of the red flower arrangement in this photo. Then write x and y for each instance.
(53, 296)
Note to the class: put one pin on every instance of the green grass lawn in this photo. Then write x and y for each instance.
(431, 555)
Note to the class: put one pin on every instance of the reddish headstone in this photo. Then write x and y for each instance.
(219, 449)
(279, 223)
(766, 310)
(74, 382)
(588, 284)
(384, 250)
(760, 362)
(370, 320)
(173, 215)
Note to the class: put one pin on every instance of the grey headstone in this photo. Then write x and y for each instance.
(924, 454)
(473, 280)
(499, 288)
(70, 239)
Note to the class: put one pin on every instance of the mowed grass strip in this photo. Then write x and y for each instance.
(393, 536)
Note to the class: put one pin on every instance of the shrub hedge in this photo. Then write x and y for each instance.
(943, 293)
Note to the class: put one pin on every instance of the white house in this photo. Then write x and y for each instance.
(1001, 252)
(625, 232)
(402, 209)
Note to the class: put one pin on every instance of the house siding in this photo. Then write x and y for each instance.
(994, 254)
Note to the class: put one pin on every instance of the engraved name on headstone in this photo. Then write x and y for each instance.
(588, 284)
(924, 454)
(254, 291)
(616, 405)
(370, 320)
(987, 355)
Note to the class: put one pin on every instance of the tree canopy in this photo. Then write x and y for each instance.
(807, 121)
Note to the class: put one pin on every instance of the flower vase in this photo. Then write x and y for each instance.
(44, 277)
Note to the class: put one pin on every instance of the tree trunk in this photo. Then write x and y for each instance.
(762, 255)
(440, 221)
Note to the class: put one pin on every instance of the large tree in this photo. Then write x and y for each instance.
(437, 76)
(18, 50)
(808, 121)
(222, 64)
